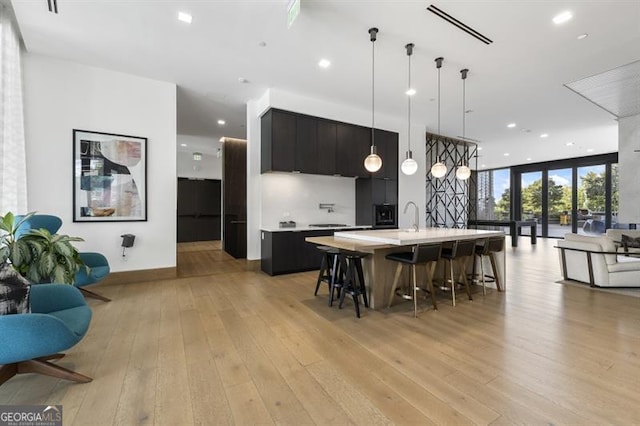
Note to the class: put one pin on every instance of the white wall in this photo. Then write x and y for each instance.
(629, 163)
(410, 187)
(61, 96)
(210, 167)
(292, 196)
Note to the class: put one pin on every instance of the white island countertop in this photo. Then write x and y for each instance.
(405, 237)
(311, 228)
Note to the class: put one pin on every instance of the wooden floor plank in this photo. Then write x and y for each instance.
(225, 344)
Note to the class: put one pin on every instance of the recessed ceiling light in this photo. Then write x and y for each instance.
(511, 125)
(563, 17)
(479, 148)
(243, 80)
(544, 135)
(222, 122)
(590, 150)
(183, 144)
(583, 36)
(185, 17)
(506, 154)
(410, 92)
(324, 63)
(529, 159)
(484, 165)
(571, 143)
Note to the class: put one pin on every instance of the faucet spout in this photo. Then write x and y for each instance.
(416, 220)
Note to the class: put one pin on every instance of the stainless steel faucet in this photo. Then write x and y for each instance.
(416, 221)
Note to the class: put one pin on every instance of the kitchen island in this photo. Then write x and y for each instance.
(378, 243)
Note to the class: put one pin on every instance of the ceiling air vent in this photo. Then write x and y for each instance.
(464, 27)
(53, 6)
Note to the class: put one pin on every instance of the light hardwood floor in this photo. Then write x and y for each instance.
(226, 344)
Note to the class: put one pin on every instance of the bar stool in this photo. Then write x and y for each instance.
(427, 255)
(328, 268)
(352, 282)
(491, 246)
(459, 254)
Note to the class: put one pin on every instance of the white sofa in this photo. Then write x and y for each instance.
(599, 261)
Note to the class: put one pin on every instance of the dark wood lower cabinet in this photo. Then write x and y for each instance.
(286, 252)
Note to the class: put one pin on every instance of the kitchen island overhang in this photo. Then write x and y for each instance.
(378, 243)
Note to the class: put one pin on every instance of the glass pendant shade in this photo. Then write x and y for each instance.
(439, 169)
(463, 172)
(373, 162)
(409, 166)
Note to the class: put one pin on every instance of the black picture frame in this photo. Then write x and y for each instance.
(109, 177)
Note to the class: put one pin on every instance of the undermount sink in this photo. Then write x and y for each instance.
(328, 225)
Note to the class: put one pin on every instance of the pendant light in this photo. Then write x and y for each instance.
(409, 166)
(373, 162)
(439, 169)
(463, 172)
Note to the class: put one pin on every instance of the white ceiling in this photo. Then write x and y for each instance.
(519, 78)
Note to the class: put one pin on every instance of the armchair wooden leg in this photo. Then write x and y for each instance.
(93, 295)
(50, 357)
(41, 366)
(7, 372)
(49, 369)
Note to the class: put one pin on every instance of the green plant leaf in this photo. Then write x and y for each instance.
(64, 248)
(47, 262)
(5, 252)
(20, 253)
(7, 222)
(32, 273)
(59, 275)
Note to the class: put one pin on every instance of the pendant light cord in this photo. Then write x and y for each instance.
(464, 102)
(409, 108)
(373, 98)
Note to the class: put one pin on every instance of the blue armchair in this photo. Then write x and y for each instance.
(97, 263)
(98, 270)
(59, 319)
(37, 221)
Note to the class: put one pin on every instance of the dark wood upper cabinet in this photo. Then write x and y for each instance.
(352, 149)
(387, 146)
(301, 143)
(306, 148)
(278, 139)
(327, 147)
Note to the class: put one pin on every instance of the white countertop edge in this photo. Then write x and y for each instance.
(313, 228)
(430, 235)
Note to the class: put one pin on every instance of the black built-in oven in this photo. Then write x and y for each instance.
(384, 216)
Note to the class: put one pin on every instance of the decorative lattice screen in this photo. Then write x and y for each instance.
(451, 202)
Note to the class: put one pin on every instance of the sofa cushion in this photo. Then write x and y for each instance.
(626, 264)
(606, 244)
(14, 291)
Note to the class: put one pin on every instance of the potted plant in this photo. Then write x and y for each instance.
(39, 256)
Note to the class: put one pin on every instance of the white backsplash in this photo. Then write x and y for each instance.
(296, 197)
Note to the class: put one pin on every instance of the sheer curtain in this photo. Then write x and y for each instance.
(13, 170)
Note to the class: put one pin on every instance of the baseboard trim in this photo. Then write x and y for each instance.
(143, 275)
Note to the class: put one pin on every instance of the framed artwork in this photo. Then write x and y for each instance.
(109, 177)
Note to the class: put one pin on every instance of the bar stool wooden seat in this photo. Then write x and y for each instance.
(352, 279)
(489, 248)
(425, 254)
(459, 255)
(329, 270)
